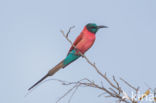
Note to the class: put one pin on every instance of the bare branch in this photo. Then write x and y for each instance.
(65, 94)
(129, 84)
(114, 91)
(117, 85)
(69, 31)
(92, 84)
(76, 88)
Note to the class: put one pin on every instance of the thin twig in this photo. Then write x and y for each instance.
(66, 93)
(69, 31)
(76, 88)
(129, 84)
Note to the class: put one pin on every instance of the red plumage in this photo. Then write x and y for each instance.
(84, 41)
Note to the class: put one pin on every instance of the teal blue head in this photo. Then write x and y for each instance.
(92, 27)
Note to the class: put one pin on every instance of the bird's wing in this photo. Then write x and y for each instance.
(78, 39)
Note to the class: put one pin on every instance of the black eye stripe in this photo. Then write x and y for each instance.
(92, 27)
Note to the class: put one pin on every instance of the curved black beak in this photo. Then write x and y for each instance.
(102, 26)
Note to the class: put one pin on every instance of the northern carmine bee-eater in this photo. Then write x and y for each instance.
(82, 43)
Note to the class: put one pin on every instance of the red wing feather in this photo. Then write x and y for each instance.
(78, 39)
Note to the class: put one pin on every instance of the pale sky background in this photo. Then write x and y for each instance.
(31, 43)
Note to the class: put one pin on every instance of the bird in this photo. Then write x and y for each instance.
(82, 43)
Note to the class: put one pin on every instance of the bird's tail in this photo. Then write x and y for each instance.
(50, 73)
